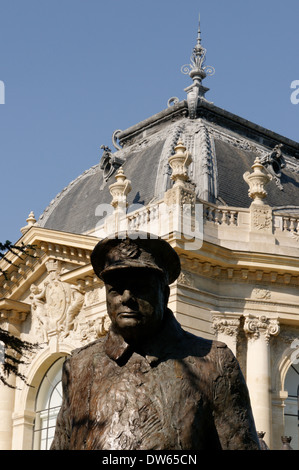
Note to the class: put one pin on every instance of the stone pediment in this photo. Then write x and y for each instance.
(50, 246)
(53, 290)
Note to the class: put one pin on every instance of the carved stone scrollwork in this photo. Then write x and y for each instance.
(115, 142)
(261, 218)
(254, 327)
(109, 162)
(186, 279)
(229, 327)
(55, 305)
(90, 330)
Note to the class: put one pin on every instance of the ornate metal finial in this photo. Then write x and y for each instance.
(197, 71)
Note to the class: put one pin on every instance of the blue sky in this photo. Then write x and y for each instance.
(77, 70)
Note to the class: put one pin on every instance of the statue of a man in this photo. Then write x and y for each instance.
(150, 385)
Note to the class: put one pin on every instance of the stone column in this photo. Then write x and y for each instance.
(12, 314)
(258, 376)
(7, 401)
(226, 329)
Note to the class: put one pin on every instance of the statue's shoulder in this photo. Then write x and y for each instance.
(216, 352)
(89, 349)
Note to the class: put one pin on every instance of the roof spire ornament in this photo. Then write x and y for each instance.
(197, 71)
(31, 220)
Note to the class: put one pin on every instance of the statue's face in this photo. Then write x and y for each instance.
(136, 301)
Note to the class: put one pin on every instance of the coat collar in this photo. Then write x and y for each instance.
(158, 348)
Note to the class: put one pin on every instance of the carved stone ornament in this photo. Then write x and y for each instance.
(31, 220)
(257, 181)
(261, 294)
(109, 162)
(120, 189)
(254, 327)
(179, 163)
(229, 327)
(186, 279)
(55, 304)
(90, 330)
(261, 218)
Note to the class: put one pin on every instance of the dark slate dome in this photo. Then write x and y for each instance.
(223, 147)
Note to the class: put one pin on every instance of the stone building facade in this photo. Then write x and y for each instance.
(224, 192)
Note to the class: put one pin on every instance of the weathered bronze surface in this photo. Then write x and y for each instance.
(150, 385)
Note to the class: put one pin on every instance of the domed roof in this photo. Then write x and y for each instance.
(223, 147)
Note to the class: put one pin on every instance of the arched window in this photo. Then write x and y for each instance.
(47, 406)
(291, 411)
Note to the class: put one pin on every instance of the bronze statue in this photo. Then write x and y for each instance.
(150, 385)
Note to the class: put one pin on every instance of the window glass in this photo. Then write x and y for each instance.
(291, 411)
(48, 403)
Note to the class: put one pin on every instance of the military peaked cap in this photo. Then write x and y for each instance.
(145, 251)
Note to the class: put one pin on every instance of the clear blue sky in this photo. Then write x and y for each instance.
(76, 70)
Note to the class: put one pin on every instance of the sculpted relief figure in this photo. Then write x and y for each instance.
(148, 384)
(38, 299)
(76, 303)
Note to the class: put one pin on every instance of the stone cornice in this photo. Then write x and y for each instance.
(83, 273)
(53, 244)
(219, 262)
(13, 310)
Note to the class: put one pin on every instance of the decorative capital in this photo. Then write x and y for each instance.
(257, 181)
(120, 189)
(255, 327)
(227, 326)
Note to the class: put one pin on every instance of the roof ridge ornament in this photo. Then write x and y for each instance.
(197, 71)
(31, 220)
